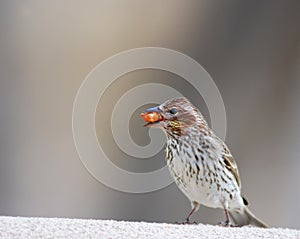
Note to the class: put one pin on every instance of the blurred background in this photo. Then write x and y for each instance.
(250, 48)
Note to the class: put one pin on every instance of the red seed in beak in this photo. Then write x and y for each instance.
(152, 117)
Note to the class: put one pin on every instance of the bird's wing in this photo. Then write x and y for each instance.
(232, 167)
(228, 159)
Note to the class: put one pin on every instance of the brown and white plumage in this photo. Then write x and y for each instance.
(200, 162)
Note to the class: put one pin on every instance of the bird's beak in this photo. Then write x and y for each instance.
(152, 116)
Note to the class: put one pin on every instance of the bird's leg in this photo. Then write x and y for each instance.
(195, 207)
(187, 220)
(227, 223)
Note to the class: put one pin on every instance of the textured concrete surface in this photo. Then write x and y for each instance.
(22, 227)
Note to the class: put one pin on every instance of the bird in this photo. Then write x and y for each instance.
(200, 163)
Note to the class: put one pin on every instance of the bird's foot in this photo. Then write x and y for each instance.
(226, 224)
(187, 222)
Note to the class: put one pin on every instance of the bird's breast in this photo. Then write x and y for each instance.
(195, 172)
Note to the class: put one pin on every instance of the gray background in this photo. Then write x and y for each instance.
(250, 48)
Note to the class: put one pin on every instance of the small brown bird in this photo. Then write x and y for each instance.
(200, 162)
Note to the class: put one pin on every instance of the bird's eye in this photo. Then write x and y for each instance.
(173, 111)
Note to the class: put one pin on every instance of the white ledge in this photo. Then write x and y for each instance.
(22, 227)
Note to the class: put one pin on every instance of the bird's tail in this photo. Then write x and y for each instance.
(245, 217)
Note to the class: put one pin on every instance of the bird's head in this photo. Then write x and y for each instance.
(175, 116)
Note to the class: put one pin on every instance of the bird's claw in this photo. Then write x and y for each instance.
(187, 222)
(226, 224)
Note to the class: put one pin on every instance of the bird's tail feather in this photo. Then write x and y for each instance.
(246, 217)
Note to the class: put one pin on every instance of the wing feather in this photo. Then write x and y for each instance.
(219, 146)
(232, 167)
